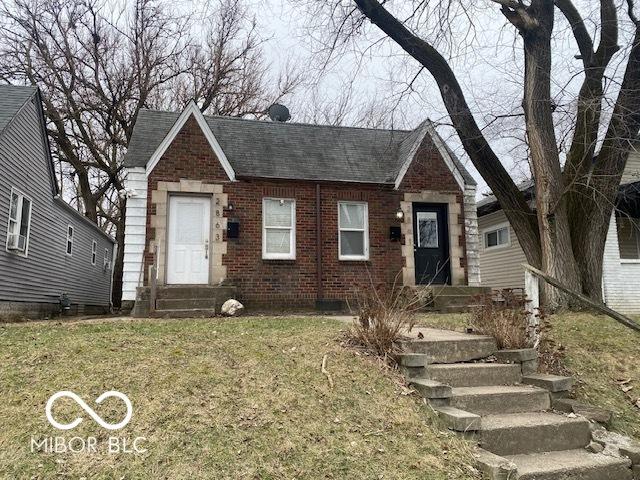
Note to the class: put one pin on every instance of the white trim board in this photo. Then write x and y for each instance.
(427, 128)
(191, 109)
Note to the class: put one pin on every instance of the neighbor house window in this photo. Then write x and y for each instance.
(278, 229)
(497, 237)
(69, 240)
(19, 223)
(353, 231)
(629, 238)
(94, 252)
(107, 260)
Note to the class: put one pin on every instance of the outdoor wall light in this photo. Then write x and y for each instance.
(400, 215)
(229, 207)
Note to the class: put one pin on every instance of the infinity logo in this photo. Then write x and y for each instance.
(89, 410)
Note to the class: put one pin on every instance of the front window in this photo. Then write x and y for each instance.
(496, 238)
(353, 231)
(278, 229)
(19, 223)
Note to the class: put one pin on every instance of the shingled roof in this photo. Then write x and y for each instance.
(12, 98)
(299, 151)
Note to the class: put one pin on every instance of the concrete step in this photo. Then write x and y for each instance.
(186, 313)
(532, 432)
(452, 348)
(474, 374)
(488, 400)
(440, 290)
(187, 303)
(571, 465)
(196, 291)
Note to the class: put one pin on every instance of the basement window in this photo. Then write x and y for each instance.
(19, 223)
(278, 229)
(497, 237)
(353, 231)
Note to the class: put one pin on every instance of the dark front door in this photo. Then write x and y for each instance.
(431, 244)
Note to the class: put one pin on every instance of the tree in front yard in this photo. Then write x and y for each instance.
(577, 152)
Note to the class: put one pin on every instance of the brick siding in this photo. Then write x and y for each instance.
(276, 282)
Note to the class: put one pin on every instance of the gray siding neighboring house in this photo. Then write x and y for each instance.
(35, 268)
(501, 254)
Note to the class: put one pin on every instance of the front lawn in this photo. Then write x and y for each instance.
(227, 399)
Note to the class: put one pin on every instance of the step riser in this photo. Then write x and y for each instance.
(453, 351)
(188, 292)
(607, 472)
(186, 303)
(502, 403)
(465, 376)
(536, 439)
(199, 313)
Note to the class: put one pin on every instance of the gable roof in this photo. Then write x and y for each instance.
(298, 151)
(12, 98)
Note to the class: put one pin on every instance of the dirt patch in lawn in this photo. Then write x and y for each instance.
(228, 399)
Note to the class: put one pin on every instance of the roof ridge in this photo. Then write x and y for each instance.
(303, 124)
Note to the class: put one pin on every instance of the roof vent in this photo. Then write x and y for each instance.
(279, 113)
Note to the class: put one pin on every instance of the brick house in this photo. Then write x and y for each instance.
(291, 214)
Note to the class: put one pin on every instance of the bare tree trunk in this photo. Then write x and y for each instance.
(536, 25)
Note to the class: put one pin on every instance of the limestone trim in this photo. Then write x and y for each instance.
(218, 224)
(456, 252)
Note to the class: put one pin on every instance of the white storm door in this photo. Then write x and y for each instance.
(188, 242)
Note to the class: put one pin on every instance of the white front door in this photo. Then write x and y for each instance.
(188, 242)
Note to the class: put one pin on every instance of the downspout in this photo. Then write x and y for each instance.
(319, 289)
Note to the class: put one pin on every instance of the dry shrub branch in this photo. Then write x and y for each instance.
(384, 315)
(504, 317)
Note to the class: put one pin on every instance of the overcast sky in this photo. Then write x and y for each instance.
(488, 64)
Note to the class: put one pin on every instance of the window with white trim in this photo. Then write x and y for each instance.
(278, 229)
(497, 237)
(69, 240)
(353, 231)
(19, 223)
(107, 260)
(94, 252)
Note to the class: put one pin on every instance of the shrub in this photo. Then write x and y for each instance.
(503, 316)
(384, 314)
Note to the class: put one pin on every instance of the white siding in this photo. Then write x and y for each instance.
(135, 232)
(632, 170)
(620, 277)
(500, 267)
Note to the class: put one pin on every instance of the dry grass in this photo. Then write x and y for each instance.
(383, 316)
(604, 357)
(227, 399)
(506, 322)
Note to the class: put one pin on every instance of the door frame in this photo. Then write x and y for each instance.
(445, 236)
(170, 196)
